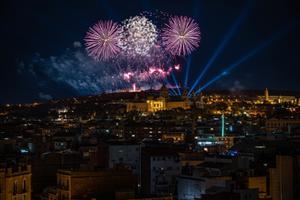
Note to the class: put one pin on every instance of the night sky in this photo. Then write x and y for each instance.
(48, 28)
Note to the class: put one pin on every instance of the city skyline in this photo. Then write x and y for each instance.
(150, 100)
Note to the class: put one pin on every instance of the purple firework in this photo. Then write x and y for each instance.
(102, 40)
(181, 35)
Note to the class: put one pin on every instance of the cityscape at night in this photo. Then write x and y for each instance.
(150, 100)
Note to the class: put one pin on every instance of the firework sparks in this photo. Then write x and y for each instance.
(139, 35)
(134, 89)
(102, 40)
(144, 56)
(151, 73)
(177, 66)
(127, 76)
(181, 35)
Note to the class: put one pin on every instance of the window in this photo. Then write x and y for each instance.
(67, 184)
(15, 187)
(24, 185)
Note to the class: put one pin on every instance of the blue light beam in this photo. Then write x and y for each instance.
(171, 89)
(256, 50)
(196, 12)
(176, 83)
(233, 29)
(187, 71)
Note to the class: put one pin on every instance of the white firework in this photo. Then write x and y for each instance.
(139, 35)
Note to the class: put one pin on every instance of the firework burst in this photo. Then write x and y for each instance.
(139, 35)
(102, 40)
(181, 35)
(144, 56)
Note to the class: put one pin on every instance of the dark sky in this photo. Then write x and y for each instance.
(48, 28)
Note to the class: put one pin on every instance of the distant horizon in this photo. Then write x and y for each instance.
(258, 92)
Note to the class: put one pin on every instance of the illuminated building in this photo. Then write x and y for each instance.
(163, 102)
(209, 143)
(227, 141)
(260, 183)
(199, 101)
(15, 183)
(62, 115)
(156, 105)
(266, 94)
(173, 137)
(274, 124)
(275, 99)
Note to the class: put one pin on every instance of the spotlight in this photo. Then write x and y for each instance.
(171, 89)
(220, 48)
(176, 83)
(187, 71)
(259, 48)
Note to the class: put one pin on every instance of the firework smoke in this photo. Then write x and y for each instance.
(130, 55)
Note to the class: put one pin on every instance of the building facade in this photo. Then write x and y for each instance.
(90, 183)
(126, 154)
(163, 102)
(282, 178)
(274, 124)
(15, 183)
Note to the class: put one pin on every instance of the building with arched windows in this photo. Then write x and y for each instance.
(162, 102)
(15, 183)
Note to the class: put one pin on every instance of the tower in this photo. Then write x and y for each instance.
(266, 94)
(184, 94)
(222, 125)
(164, 92)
